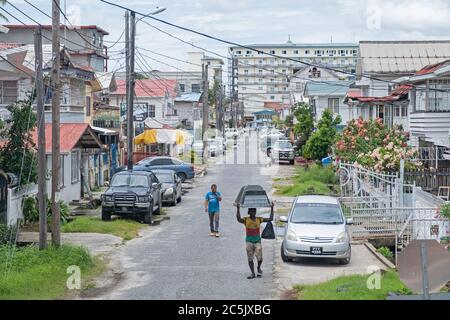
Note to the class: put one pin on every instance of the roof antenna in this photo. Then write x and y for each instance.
(289, 39)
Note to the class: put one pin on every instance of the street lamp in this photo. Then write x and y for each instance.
(158, 10)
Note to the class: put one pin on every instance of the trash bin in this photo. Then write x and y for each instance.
(252, 196)
(326, 161)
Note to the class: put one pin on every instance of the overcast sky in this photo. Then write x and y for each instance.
(259, 21)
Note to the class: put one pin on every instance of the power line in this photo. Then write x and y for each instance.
(246, 46)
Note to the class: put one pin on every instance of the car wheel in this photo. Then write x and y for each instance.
(182, 176)
(346, 260)
(174, 201)
(106, 216)
(148, 215)
(284, 257)
(179, 199)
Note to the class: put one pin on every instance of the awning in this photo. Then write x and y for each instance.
(165, 136)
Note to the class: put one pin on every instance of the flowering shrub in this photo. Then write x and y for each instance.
(372, 144)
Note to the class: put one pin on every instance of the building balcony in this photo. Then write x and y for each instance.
(107, 124)
(66, 108)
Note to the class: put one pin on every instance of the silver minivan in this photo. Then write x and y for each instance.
(316, 227)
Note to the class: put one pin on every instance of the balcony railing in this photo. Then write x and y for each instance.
(112, 124)
(66, 108)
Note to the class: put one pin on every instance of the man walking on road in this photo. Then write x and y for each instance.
(253, 238)
(212, 206)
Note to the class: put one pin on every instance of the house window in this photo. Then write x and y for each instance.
(404, 111)
(246, 79)
(246, 71)
(284, 52)
(249, 52)
(88, 106)
(283, 61)
(306, 51)
(260, 88)
(272, 97)
(182, 87)
(260, 80)
(397, 111)
(238, 52)
(195, 87)
(295, 51)
(272, 51)
(260, 71)
(151, 111)
(75, 166)
(333, 104)
(260, 61)
(244, 88)
(8, 92)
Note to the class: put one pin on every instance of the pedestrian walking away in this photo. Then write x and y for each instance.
(212, 207)
(252, 225)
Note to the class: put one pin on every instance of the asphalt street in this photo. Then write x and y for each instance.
(179, 260)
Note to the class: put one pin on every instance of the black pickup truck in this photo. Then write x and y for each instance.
(136, 193)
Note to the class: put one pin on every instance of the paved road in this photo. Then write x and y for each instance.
(179, 260)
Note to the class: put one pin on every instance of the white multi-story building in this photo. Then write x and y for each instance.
(262, 77)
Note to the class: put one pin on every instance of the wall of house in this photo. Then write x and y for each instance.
(185, 110)
(322, 104)
(431, 126)
(159, 103)
(69, 191)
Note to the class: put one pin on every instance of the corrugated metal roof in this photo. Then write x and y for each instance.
(401, 56)
(189, 97)
(327, 88)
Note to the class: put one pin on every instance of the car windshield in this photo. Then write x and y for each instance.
(164, 177)
(283, 145)
(317, 213)
(129, 180)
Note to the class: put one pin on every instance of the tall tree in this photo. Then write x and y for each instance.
(321, 141)
(18, 154)
(305, 122)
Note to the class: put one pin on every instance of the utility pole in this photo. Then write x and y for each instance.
(130, 92)
(56, 232)
(127, 74)
(205, 112)
(42, 165)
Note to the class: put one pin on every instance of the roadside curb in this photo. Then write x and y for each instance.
(379, 256)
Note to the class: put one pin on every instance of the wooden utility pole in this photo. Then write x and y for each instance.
(127, 77)
(205, 118)
(42, 165)
(130, 96)
(56, 232)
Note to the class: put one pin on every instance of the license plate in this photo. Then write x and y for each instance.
(316, 250)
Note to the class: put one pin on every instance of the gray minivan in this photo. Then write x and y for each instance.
(316, 227)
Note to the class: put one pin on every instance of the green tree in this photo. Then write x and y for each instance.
(289, 121)
(320, 143)
(18, 155)
(305, 123)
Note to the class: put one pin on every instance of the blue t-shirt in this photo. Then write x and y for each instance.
(213, 201)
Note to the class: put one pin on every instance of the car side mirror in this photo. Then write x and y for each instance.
(106, 184)
(349, 220)
(283, 219)
(155, 185)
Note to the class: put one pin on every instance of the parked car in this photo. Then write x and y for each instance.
(184, 170)
(132, 193)
(171, 189)
(316, 227)
(283, 150)
(215, 147)
(231, 133)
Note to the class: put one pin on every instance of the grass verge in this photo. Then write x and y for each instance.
(126, 229)
(352, 287)
(309, 180)
(35, 274)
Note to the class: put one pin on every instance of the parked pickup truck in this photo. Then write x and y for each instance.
(134, 193)
(282, 150)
